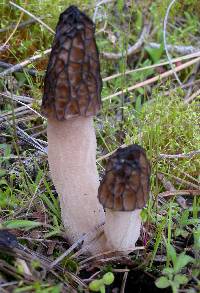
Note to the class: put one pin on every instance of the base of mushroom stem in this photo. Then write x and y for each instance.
(117, 235)
(122, 229)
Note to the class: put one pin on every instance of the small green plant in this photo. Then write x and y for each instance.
(172, 276)
(99, 285)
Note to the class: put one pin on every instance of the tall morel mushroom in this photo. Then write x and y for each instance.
(123, 192)
(72, 89)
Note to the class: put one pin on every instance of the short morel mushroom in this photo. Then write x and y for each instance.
(72, 89)
(123, 192)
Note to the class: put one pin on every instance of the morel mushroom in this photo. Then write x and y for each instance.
(72, 89)
(123, 192)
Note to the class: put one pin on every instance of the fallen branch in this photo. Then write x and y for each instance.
(29, 106)
(32, 72)
(22, 64)
(16, 98)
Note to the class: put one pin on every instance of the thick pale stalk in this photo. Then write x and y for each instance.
(72, 161)
(122, 229)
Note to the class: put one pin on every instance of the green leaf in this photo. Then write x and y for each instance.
(2, 172)
(172, 253)
(54, 232)
(138, 104)
(182, 261)
(180, 279)
(144, 215)
(120, 5)
(184, 218)
(102, 289)
(168, 271)
(155, 53)
(139, 20)
(162, 282)
(181, 232)
(95, 285)
(21, 224)
(108, 278)
(197, 239)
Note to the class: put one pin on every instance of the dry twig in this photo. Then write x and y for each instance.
(176, 49)
(177, 156)
(8, 65)
(169, 186)
(192, 97)
(190, 192)
(191, 79)
(22, 64)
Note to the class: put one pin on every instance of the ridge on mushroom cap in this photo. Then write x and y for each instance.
(72, 85)
(125, 186)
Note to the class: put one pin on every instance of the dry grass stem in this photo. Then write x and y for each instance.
(169, 186)
(15, 28)
(174, 60)
(122, 290)
(153, 79)
(33, 16)
(192, 97)
(165, 40)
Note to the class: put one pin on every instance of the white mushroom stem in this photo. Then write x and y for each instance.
(122, 229)
(72, 161)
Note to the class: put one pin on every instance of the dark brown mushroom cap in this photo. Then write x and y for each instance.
(125, 186)
(73, 84)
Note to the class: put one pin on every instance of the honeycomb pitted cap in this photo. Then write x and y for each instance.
(72, 85)
(125, 185)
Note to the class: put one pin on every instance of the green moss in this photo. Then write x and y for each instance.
(166, 126)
